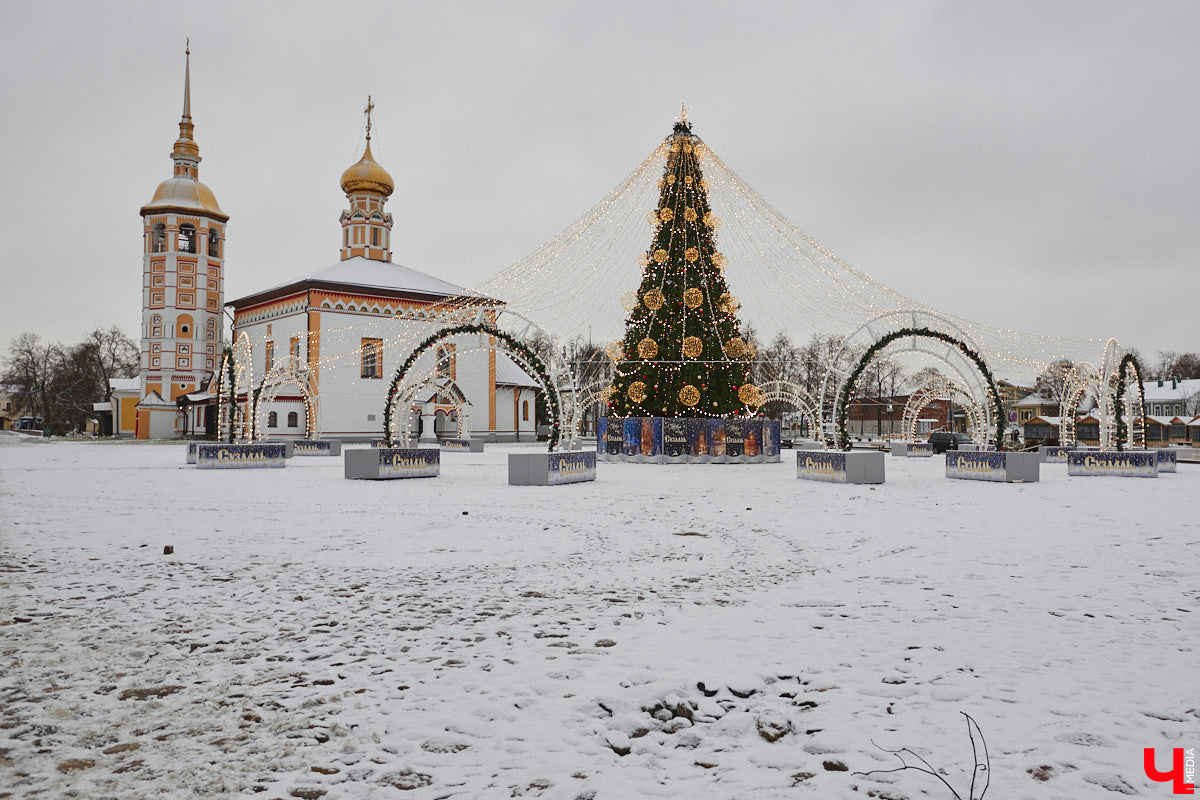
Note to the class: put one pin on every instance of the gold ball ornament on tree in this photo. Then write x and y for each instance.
(652, 217)
(693, 346)
(666, 214)
(719, 260)
(654, 298)
(688, 179)
(735, 347)
(606, 394)
(728, 303)
(636, 391)
(692, 254)
(647, 348)
(660, 256)
(689, 395)
(712, 220)
(615, 350)
(687, 148)
(689, 214)
(670, 179)
(750, 394)
(693, 297)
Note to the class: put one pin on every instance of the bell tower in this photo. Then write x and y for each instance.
(366, 227)
(183, 283)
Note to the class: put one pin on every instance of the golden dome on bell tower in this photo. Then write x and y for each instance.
(367, 175)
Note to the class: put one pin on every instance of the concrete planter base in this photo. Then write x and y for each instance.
(1000, 467)
(392, 463)
(1113, 463)
(255, 455)
(840, 466)
(462, 445)
(551, 469)
(317, 447)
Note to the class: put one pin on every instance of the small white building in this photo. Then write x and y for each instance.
(339, 335)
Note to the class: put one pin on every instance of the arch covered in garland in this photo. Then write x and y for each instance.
(511, 345)
(1134, 432)
(236, 371)
(846, 393)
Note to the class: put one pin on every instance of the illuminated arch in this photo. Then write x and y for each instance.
(513, 347)
(917, 331)
(953, 350)
(940, 387)
(285, 372)
(1130, 397)
(401, 426)
(797, 397)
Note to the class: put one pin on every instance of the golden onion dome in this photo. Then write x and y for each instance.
(184, 193)
(367, 176)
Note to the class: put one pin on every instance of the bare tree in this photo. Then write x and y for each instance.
(113, 355)
(28, 370)
(1185, 366)
(1052, 382)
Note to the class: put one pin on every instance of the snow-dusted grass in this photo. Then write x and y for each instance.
(740, 633)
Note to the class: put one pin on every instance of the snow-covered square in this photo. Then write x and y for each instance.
(665, 631)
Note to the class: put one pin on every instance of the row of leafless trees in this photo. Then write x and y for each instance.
(59, 383)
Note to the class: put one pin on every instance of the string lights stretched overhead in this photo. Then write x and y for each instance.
(785, 279)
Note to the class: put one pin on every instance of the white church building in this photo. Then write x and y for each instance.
(339, 334)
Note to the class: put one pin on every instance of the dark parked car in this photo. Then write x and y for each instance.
(945, 440)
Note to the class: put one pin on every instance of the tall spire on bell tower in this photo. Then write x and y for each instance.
(186, 154)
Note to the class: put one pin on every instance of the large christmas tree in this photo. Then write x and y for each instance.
(682, 355)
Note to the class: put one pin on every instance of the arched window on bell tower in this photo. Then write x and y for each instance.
(158, 239)
(187, 239)
(214, 243)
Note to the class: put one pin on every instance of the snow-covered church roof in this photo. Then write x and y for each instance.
(364, 276)
(509, 374)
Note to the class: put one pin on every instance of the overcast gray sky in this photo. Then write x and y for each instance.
(1030, 165)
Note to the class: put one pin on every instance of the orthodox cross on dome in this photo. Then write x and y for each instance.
(370, 107)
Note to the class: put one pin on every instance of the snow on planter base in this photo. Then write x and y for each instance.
(254, 455)
(839, 466)
(317, 447)
(551, 469)
(1005, 467)
(391, 463)
(1122, 464)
